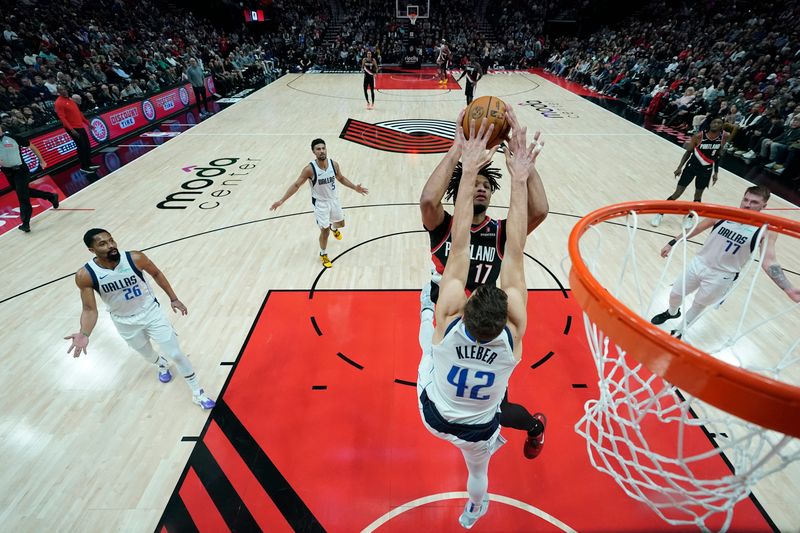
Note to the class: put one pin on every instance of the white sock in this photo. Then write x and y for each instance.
(323, 252)
(162, 362)
(674, 302)
(193, 383)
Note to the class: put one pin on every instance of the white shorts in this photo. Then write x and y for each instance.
(711, 284)
(327, 212)
(149, 324)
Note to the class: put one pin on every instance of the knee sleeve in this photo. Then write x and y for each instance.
(173, 351)
(478, 479)
(147, 352)
(695, 311)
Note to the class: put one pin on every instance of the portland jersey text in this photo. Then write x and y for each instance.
(486, 245)
(707, 152)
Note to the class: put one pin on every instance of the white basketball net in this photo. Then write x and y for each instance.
(638, 430)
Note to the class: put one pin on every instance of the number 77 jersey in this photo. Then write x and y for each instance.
(470, 378)
(729, 245)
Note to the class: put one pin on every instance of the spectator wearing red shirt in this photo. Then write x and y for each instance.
(73, 121)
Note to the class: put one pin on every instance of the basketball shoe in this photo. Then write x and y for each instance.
(325, 261)
(471, 515)
(533, 445)
(337, 234)
(164, 375)
(203, 400)
(660, 318)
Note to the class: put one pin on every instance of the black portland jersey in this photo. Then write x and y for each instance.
(707, 152)
(486, 246)
(473, 72)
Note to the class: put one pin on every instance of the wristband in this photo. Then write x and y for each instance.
(672, 242)
(85, 334)
(175, 300)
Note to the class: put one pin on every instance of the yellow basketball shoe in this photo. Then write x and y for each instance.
(337, 234)
(325, 261)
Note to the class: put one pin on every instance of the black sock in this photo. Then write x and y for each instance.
(515, 416)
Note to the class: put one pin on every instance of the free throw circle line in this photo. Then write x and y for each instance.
(463, 495)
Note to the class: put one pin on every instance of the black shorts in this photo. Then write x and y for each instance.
(701, 173)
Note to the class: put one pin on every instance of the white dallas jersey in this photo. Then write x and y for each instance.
(323, 182)
(123, 290)
(469, 379)
(729, 246)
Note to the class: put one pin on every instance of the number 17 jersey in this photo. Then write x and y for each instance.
(486, 245)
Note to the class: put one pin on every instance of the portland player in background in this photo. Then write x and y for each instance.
(702, 164)
(443, 62)
(369, 66)
(473, 72)
(487, 246)
(726, 251)
(477, 343)
(322, 174)
(118, 278)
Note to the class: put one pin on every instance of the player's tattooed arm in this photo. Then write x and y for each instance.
(775, 272)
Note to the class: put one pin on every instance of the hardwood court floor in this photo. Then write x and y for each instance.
(94, 444)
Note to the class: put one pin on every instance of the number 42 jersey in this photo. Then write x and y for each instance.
(470, 378)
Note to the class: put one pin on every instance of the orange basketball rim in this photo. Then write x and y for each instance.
(767, 402)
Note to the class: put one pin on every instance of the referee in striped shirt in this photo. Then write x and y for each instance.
(19, 175)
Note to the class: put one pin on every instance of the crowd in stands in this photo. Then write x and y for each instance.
(682, 63)
(107, 52)
(689, 63)
(373, 26)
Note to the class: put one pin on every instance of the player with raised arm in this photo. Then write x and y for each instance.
(477, 342)
(322, 174)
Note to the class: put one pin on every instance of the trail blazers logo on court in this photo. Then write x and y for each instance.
(411, 136)
(211, 184)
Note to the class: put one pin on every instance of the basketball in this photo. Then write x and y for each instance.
(492, 108)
